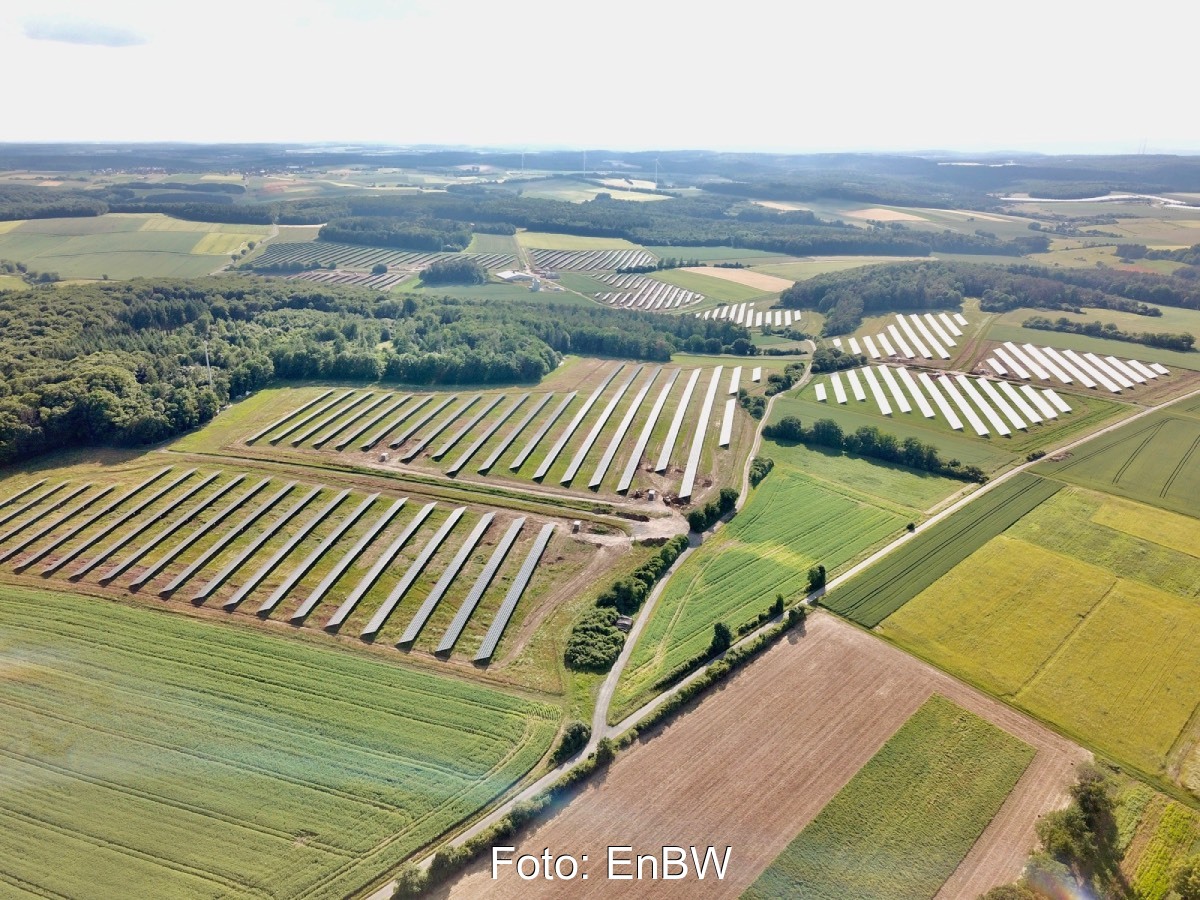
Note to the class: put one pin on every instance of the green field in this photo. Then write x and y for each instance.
(1079, 620)
(811, 267)
(125, 246)
(811, 509)
(493, 243)
(1153, 460)
(1155, 835)
(197, 760)
(1172, 319)
(718, 254)
(541, 240)
(713, 288)
(875, 594)
(905, 821)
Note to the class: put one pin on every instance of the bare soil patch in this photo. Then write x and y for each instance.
(758, 280)
(879, 214)
(756, 761)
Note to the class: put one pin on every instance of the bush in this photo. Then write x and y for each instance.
(722, 639)
(595, 642)
(575, 738)
(760, 467)
(816, 578)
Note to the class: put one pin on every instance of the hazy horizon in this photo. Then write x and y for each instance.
(878, 79)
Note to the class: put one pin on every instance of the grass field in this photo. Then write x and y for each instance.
(877, 593)
(1172, 319)
(713, 288)
(719, 254)
(541, 240)
(1081, 621)
(903, 823)
(125, 246)
(197, 760)
(493, 243)
(1153, 460)
(811, 509)
(803, 269)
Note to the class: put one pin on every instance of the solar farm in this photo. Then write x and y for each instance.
(407, 571)
(1012, 393)
(327, 254)
(616, 429)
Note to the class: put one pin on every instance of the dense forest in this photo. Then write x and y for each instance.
(124, 363)
(845, 297)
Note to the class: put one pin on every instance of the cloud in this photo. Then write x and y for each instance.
(78, 31)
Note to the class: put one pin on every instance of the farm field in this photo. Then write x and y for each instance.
(1084, 613)
(914, 811)
(876, 593)
(541, 240)
(810, 267)
(714, 288)
(125, 245)
(198, 760)
(1152, 460)
(810, 509)
(747, 277)
(754, 763)
(1155, 834)
(1172, 319)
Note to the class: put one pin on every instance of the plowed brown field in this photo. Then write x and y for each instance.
(755, 761)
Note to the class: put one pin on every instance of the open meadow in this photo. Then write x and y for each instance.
(1084, 612)
(198, 760)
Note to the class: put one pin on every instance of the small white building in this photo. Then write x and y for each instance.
(510, 276)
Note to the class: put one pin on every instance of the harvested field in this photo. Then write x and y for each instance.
(879, 214)
(755, 762)
(748, 277)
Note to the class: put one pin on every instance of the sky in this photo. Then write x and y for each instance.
(1051, 76)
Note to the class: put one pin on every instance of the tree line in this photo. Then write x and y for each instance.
(869, 441)
(1166, 340)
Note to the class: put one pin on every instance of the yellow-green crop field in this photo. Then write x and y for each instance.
(1155, 835)
(905, 821)
(541, 240)
(1085, 624)
(194, 759)
(124, 246)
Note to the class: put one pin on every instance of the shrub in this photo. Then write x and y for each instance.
(575, 738)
